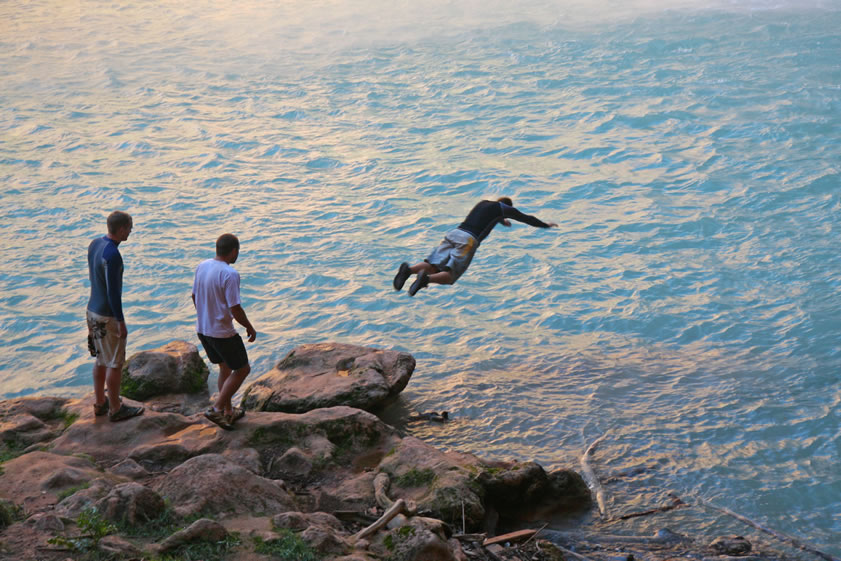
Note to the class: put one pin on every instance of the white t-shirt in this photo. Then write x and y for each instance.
(216, 289)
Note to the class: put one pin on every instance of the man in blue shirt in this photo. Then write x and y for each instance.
(451, 259)
(107, 331)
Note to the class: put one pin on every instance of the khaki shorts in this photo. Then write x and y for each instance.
(104, 340)
(455, 253)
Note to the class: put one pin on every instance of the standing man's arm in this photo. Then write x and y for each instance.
(242, 319)
(114, 288)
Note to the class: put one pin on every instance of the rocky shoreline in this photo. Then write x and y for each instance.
(308, 474)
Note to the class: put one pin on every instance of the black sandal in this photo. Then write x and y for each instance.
(100, 409)
(125, 412)
(420, 282)
(402, 274)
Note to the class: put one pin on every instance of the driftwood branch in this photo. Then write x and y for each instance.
(381, 485)
(660, 538)
(590, 476)
(676, 503)
(395, 509)
(779, 535)
(510, 537)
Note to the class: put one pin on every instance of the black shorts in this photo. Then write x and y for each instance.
(229, 351)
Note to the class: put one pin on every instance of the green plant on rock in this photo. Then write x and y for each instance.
(288, 547)
(165, 524)
(400, 535)
(67, 418)
(72, 491)
(160, 527)
(203, 551)
(9, 513)
(92, 528)
(10, 449)
(87, 457)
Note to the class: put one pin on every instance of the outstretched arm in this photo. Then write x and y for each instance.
(514, 214)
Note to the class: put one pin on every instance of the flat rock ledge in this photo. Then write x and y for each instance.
(318, 477)
(329, 374)
(330, 483)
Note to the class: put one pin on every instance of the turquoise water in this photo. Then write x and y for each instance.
(687, 306)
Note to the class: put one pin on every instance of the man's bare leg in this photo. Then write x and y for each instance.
(444, 277)
(405, 272)
(224, 372)
(423, 266)
(232, 383)
(430, 274)
(99, 384)
(113, 377)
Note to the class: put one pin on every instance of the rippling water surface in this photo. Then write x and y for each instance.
(688, 305)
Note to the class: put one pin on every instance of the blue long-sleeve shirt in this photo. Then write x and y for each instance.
(105, 267)
(487, 214)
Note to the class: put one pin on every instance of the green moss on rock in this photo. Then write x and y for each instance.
(416, 478)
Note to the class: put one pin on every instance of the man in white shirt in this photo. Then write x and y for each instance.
(217, 301)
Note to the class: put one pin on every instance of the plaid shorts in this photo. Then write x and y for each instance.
(104, 341)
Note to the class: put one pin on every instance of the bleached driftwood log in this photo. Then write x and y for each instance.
(590, 476)
(395, 509)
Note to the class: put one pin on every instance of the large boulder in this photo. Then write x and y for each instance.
(212, 484)
(324, 445)
(438, 482)
(131, 503)
(522, 488)
(330, 374)
(174, 368)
